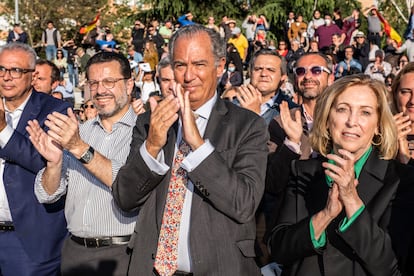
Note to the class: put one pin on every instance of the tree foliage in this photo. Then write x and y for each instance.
(69, 15)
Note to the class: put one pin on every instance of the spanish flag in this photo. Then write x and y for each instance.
(390, 31)
(90, 26)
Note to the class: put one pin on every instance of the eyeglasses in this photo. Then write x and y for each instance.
(89, 106)
(108, 83)
(15, 73)
(403, 61)
(315, 70)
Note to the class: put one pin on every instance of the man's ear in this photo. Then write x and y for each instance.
(130, 86)
(55, 84)
(220, 66)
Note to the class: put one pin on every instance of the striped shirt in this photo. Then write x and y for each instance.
(90, 209)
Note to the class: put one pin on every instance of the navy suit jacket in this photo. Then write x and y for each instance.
(22, 38)
(40, 227)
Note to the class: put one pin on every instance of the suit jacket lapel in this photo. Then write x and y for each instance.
(30, 112)
(371, 188)
(217, 121)
(372, 177)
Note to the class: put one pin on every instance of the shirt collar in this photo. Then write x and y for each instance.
(21, 106)
(129, 118)
(269, 104)
(204, 111)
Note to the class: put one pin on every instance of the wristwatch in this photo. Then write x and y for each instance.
(87, 157)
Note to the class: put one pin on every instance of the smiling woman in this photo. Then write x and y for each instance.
(330, 220)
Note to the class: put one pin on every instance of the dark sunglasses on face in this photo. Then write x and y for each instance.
(89, 106)
(315, 70)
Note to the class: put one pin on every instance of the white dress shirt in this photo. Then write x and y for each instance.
(12, 118)
(190, 162)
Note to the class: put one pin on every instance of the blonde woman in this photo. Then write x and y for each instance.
(336, 219)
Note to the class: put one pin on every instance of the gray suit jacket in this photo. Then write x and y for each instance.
(228, 186)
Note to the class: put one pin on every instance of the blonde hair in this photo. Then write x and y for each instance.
(385, 140)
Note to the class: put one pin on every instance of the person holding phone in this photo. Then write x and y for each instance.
(337, 217)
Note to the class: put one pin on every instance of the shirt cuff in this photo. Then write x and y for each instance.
(156, 165)
(317, 243)
(293, 146)
(40, 192)
(346, 223)
(5, 135)
(193, 159)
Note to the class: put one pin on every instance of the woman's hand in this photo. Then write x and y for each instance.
(333, 208)
(342, 173)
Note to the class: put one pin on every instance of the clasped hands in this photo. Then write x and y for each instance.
(343, 193)
(163, 116)
(63, 133)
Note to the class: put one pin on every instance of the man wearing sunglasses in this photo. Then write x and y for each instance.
(31, 233)
(289, 131)
(84, 171)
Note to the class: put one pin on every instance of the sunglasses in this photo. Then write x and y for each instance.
(315, 70)
(89, 106)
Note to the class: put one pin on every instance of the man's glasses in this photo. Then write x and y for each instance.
(15, 73)
(89, 106)
(107, 83)
(315, 70)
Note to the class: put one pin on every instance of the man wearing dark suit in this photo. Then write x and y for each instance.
(289, 131)
(31, 233)
(225, 169)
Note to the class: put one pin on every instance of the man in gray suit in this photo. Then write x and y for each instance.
(224, 170)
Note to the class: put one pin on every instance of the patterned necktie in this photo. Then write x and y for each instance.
(167, 251)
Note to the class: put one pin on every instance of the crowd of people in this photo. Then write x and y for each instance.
(208, 149)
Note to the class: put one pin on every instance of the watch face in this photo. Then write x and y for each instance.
(87, 157)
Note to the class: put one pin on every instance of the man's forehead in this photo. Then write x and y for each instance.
(11, 58)
(43, 68)
(268, 61)
(312, 60)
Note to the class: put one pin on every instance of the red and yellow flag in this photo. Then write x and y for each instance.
(90, 26)
(389, 30)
